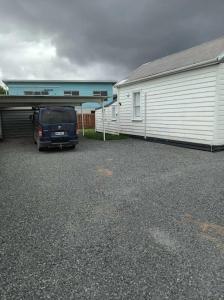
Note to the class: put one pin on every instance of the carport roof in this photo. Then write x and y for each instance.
(23, 101)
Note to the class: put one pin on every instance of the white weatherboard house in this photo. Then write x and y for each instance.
(178, 98)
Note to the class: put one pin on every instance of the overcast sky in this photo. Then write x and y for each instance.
(99, 39)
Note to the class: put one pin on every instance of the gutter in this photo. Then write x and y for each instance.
(210, 62)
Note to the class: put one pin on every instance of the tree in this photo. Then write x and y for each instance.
(2, 90)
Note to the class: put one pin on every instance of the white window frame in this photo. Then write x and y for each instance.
(113, 113)
(134, 117)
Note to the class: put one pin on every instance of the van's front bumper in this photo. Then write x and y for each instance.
(52, 144)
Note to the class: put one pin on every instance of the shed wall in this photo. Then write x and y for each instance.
(111, 125)
(177, 107)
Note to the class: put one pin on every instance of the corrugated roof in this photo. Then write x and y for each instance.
(109, 102)
(18, 101)
(179, 61)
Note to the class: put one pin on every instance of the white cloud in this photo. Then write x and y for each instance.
(38, 59)
(99, 39)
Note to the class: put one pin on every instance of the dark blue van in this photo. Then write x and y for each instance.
(55, 127)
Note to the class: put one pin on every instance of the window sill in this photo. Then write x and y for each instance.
(113, 120)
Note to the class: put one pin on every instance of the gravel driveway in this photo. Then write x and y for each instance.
(123, 219)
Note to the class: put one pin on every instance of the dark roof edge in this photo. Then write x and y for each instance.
(211, 62)
(56, 81)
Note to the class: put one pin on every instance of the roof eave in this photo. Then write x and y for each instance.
(18, 101)
(207, 63)
(7, 81)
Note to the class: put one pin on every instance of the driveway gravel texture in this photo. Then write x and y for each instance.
(123, 219)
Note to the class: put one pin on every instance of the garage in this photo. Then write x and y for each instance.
(16, 123)
(15, 111)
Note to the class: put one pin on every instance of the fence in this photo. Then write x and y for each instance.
(88, 120)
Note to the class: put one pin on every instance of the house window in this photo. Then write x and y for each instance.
(103, 93)
(71, 93)
(136, 105)
(28, 93)
(99, 93)
(96, 93)
(36, 93)
(114, 116)
(75, 93)
(45, 93)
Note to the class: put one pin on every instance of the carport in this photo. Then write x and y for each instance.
(28, 103)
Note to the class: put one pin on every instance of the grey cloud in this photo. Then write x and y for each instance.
(122, 34)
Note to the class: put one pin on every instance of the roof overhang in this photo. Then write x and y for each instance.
(32, 101)
(172, 72)
(10, 81)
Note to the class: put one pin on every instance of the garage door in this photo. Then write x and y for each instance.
(16, 123)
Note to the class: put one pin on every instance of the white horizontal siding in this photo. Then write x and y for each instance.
(111, 126)
(178, 107)
(219, 132)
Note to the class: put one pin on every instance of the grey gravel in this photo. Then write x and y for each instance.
(124, 219)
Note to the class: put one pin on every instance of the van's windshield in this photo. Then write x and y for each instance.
(57, 116)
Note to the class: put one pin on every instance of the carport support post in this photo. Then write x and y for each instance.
(145, 116)
(104, 135)
(83, 129)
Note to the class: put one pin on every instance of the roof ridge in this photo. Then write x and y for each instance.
(209, 52)
(181, 51)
